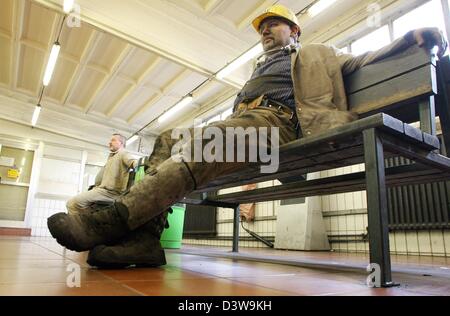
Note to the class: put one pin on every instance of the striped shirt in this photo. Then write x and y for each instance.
(274, 81)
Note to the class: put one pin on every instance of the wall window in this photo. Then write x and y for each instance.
(372, 41)
(346, 49)
(228, 112)
(214, 119)
(428, 15)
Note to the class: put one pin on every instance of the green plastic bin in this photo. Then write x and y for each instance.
(171, 237)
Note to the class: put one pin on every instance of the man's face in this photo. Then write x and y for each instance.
(275, 33)
(115, 144)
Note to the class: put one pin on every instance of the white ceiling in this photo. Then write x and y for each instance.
(130, 61)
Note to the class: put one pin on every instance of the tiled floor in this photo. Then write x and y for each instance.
(32, 266)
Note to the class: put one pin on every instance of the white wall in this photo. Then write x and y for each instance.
(57, 169)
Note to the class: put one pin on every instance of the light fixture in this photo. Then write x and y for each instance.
(320, 6)
(51, 63)
(37, 112)
(68, 5)
(178, 107)
(132, 140)
(252, 53)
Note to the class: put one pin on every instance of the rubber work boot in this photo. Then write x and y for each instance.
(102, 225)
(140, 248)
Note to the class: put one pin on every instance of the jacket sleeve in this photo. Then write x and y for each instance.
(128, 160)
(350, 63)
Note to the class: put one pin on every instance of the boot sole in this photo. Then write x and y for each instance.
(103, 264)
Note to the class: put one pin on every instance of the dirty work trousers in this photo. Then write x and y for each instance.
(168, 180)
(83, 201)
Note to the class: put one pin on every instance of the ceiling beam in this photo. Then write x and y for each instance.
(183, 75)
(92, 43)
(33, 44)
(120, 62)
(210, 106)
(13, 96)
(5, 34)
(133, 88)
(212, 5)
(245, 22)
(127, 79)
(19, 16)
(138, 29)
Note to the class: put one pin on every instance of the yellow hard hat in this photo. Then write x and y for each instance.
(279, 11)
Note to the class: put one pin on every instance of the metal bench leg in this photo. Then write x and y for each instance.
(377, 207)
(236, 228)
(427, 112)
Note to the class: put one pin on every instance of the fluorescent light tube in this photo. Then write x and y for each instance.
(177, 108)
(51, 63)
(252, 53)
(132, 140)
(37, 111)
(319, 7)
(68, 5)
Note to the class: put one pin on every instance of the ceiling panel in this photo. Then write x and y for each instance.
(135, 102)
(6, 16)
(210, 91)
(38, 26)
(31, 63)
(156, 110)
(139, 61)
(107, 52)
(86, 87)
(75, 40)
(62, 77)
(137, 58)
(163, 74)
(5, 60)
(116, 89)
(190, 81)
(236, 10)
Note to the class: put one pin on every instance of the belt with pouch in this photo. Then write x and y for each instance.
(266, 102)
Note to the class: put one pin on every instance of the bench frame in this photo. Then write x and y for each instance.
(373, 138)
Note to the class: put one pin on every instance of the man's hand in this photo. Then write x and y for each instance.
(430, 37)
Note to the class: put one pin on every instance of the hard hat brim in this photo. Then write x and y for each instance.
(260, 19)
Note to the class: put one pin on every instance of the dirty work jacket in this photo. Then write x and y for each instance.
(115, 174)
(317, 74)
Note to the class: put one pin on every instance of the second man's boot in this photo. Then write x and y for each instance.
(140, 248)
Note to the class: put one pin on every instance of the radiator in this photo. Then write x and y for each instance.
(200, 221)
(418, 207)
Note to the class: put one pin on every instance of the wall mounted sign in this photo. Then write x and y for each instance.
(6, 161)
(13, 173)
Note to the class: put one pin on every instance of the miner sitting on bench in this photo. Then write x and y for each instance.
(297, 90)
(112, 180)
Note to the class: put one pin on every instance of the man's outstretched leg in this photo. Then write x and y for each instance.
(169, 183)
